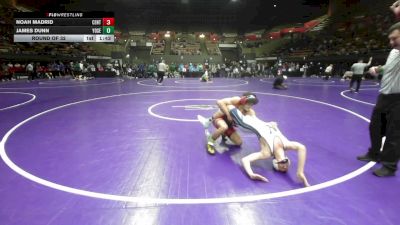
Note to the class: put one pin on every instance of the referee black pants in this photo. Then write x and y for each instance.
(385, 122)
(358, 79)
(160, 76)
(327, 75)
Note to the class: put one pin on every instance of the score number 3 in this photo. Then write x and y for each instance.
(108, 21)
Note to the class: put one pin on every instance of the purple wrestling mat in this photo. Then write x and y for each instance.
(114, 151)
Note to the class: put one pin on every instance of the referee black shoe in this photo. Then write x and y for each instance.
(384, 172)
(368, 158)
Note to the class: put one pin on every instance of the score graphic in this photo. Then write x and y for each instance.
(64, 27)
(108, 25)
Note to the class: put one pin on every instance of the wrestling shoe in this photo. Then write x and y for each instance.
(221, 148)
(210, 149)
(226, 141)
(210, 145)
(204, 121)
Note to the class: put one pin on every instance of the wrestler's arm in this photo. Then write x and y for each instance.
(302, 154)
(247, 160)
(224, 103)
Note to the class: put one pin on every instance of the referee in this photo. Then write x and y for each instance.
(385, 119)
(161, 69)
(358, 73)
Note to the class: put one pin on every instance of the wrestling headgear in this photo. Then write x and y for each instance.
(275, 162)
(249, 98)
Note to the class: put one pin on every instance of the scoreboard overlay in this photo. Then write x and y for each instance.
(64, 27)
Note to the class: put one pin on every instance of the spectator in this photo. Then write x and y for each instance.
(29, 71)
(328, 72)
